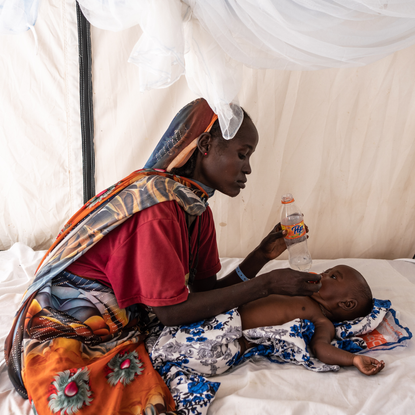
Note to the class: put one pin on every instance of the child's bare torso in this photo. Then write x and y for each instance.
(275, 310)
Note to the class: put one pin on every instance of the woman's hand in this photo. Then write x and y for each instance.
(273, 245)
(368, 365)
(287, 281)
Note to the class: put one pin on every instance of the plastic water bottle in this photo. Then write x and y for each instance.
(296, 239)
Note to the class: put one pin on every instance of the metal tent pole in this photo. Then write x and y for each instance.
(86, 105)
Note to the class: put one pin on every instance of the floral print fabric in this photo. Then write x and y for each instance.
(379, 330)
(183, 354)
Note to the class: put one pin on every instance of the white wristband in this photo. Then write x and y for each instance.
(241, 275)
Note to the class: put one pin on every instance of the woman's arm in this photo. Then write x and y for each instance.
(206, 304)
(210, 297)
(271, 247)
(324, 351)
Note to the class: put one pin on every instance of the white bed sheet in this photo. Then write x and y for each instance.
(259, 387)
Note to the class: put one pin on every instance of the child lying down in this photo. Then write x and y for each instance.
(344, 295)
(282, 328)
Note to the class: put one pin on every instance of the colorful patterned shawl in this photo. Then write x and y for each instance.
(100, 215)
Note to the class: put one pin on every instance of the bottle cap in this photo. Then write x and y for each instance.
(287, 198)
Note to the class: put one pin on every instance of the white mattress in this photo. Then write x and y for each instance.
(259, 387)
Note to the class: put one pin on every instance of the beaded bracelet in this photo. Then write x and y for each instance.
(241, 275)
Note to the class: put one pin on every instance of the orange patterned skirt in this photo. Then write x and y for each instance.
(84, 355)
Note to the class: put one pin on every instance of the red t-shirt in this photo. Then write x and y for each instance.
(145, 259)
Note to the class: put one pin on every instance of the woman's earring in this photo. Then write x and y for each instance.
(206, 154)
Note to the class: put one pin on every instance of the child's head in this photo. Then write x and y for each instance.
(344, 293)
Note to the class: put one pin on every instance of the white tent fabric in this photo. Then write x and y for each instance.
(341, 140)
(40, 133)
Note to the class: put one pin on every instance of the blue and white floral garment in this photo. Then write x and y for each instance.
(380, 330)
(183, 355)
(186, 355)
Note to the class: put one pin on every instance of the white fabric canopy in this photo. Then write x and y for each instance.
(210, 41)
(17, 16)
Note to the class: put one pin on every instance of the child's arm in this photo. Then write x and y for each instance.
(324, 351)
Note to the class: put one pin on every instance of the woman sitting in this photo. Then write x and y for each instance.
(144, 249)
